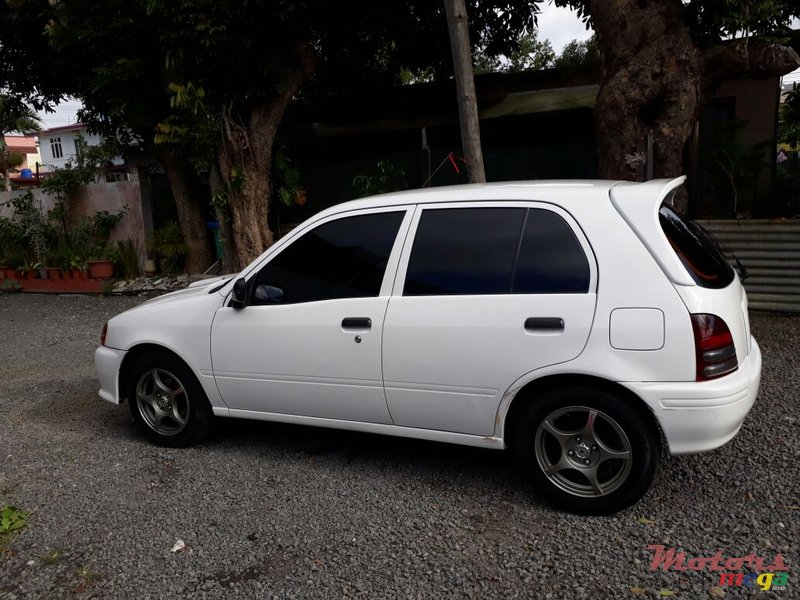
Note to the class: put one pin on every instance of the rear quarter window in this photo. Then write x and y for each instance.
(696, 249)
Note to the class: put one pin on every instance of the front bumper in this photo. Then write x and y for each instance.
(697, 417)
(107, 362)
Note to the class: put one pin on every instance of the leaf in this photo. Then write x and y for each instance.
(716, 592)
(638, 591)
(666, 592)
(12, 518)
(791, 507)
(645, 521)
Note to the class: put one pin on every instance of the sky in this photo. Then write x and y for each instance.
(559, 25)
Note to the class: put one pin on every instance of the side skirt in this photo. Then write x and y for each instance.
(447, 437)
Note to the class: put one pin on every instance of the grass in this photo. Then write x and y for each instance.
(52, 558)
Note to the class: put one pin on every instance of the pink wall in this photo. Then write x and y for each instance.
(100, 196)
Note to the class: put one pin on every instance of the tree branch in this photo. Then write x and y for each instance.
(758, 59)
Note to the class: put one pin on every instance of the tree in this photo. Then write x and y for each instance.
(530, 54)
(245, 62)
(15, 116)
(122, 84)
(465, 90)
(161, 70)
(579, 53)
(662, 61)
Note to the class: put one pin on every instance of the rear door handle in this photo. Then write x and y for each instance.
(552, 324)
(357, 323)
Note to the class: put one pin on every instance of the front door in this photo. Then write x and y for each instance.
(309, 341)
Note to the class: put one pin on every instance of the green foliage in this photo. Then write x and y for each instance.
(28, 233)
(30, 237)
(14, 159)
(12, 519)
(578, 54)
(387, 179)
(63, 181)
(787, 175)
(168, 245)
(287, 180)
(15, 115)
(732, 169)
(789, 123)
(713, 21)
(128, 259)
(530, 54)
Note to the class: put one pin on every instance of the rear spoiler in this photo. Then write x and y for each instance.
(638, 204)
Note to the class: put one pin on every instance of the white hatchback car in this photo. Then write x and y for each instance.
(575, 322)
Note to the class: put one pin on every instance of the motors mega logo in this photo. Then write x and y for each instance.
(767, 576)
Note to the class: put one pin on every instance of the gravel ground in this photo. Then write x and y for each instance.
(271, 510)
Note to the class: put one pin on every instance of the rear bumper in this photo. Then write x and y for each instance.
(107, 362)
(697, 417)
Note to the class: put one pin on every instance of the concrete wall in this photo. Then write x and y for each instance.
(95, 197)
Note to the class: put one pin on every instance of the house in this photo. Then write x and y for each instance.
(27, 147)
(534, 125)
(58, 146)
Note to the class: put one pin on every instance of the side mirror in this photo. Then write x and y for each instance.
(268, 294)
(239, 296)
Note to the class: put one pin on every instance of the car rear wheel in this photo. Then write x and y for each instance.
(587, 450)
(167, 401)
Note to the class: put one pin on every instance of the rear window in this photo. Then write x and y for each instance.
(697, 250)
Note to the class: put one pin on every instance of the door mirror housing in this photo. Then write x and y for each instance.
(268, 294)
(239, 296)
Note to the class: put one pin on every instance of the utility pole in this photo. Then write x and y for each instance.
(465, 89)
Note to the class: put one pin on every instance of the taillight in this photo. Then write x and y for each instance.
(714, 348)
(103, 334)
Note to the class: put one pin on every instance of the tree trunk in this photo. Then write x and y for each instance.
(191, 213)
(4, 153)
(230, 263)
(652, 80)
(245, 161)
(657, 81)
(465, 89)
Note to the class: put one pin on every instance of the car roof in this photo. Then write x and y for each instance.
(476, 192)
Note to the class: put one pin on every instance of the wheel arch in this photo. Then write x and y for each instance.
(132, 355)
(528, 393)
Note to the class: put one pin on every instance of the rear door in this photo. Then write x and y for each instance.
(687, 254)
(718, 289)
(485, 293)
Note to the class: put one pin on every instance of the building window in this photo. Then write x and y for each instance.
(117, 176)
(55, 147)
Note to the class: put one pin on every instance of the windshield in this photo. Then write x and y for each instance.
(697, 250)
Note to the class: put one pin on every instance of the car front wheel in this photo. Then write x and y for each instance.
(167, 401)
(587, 450)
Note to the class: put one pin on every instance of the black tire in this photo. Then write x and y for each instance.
(178, 419)
(564, 457)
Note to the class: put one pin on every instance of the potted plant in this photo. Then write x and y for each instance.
(12, 264)
(101, 264)
(167, 243)
(29, 270)
(78, 268)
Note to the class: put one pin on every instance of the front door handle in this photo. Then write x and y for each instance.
(552, 324)
(357, 323)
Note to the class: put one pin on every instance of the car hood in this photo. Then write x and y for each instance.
(198, 288)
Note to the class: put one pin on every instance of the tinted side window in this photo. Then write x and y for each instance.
(345, 258)
(464, 251)
(551, 259)
(696, 249)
